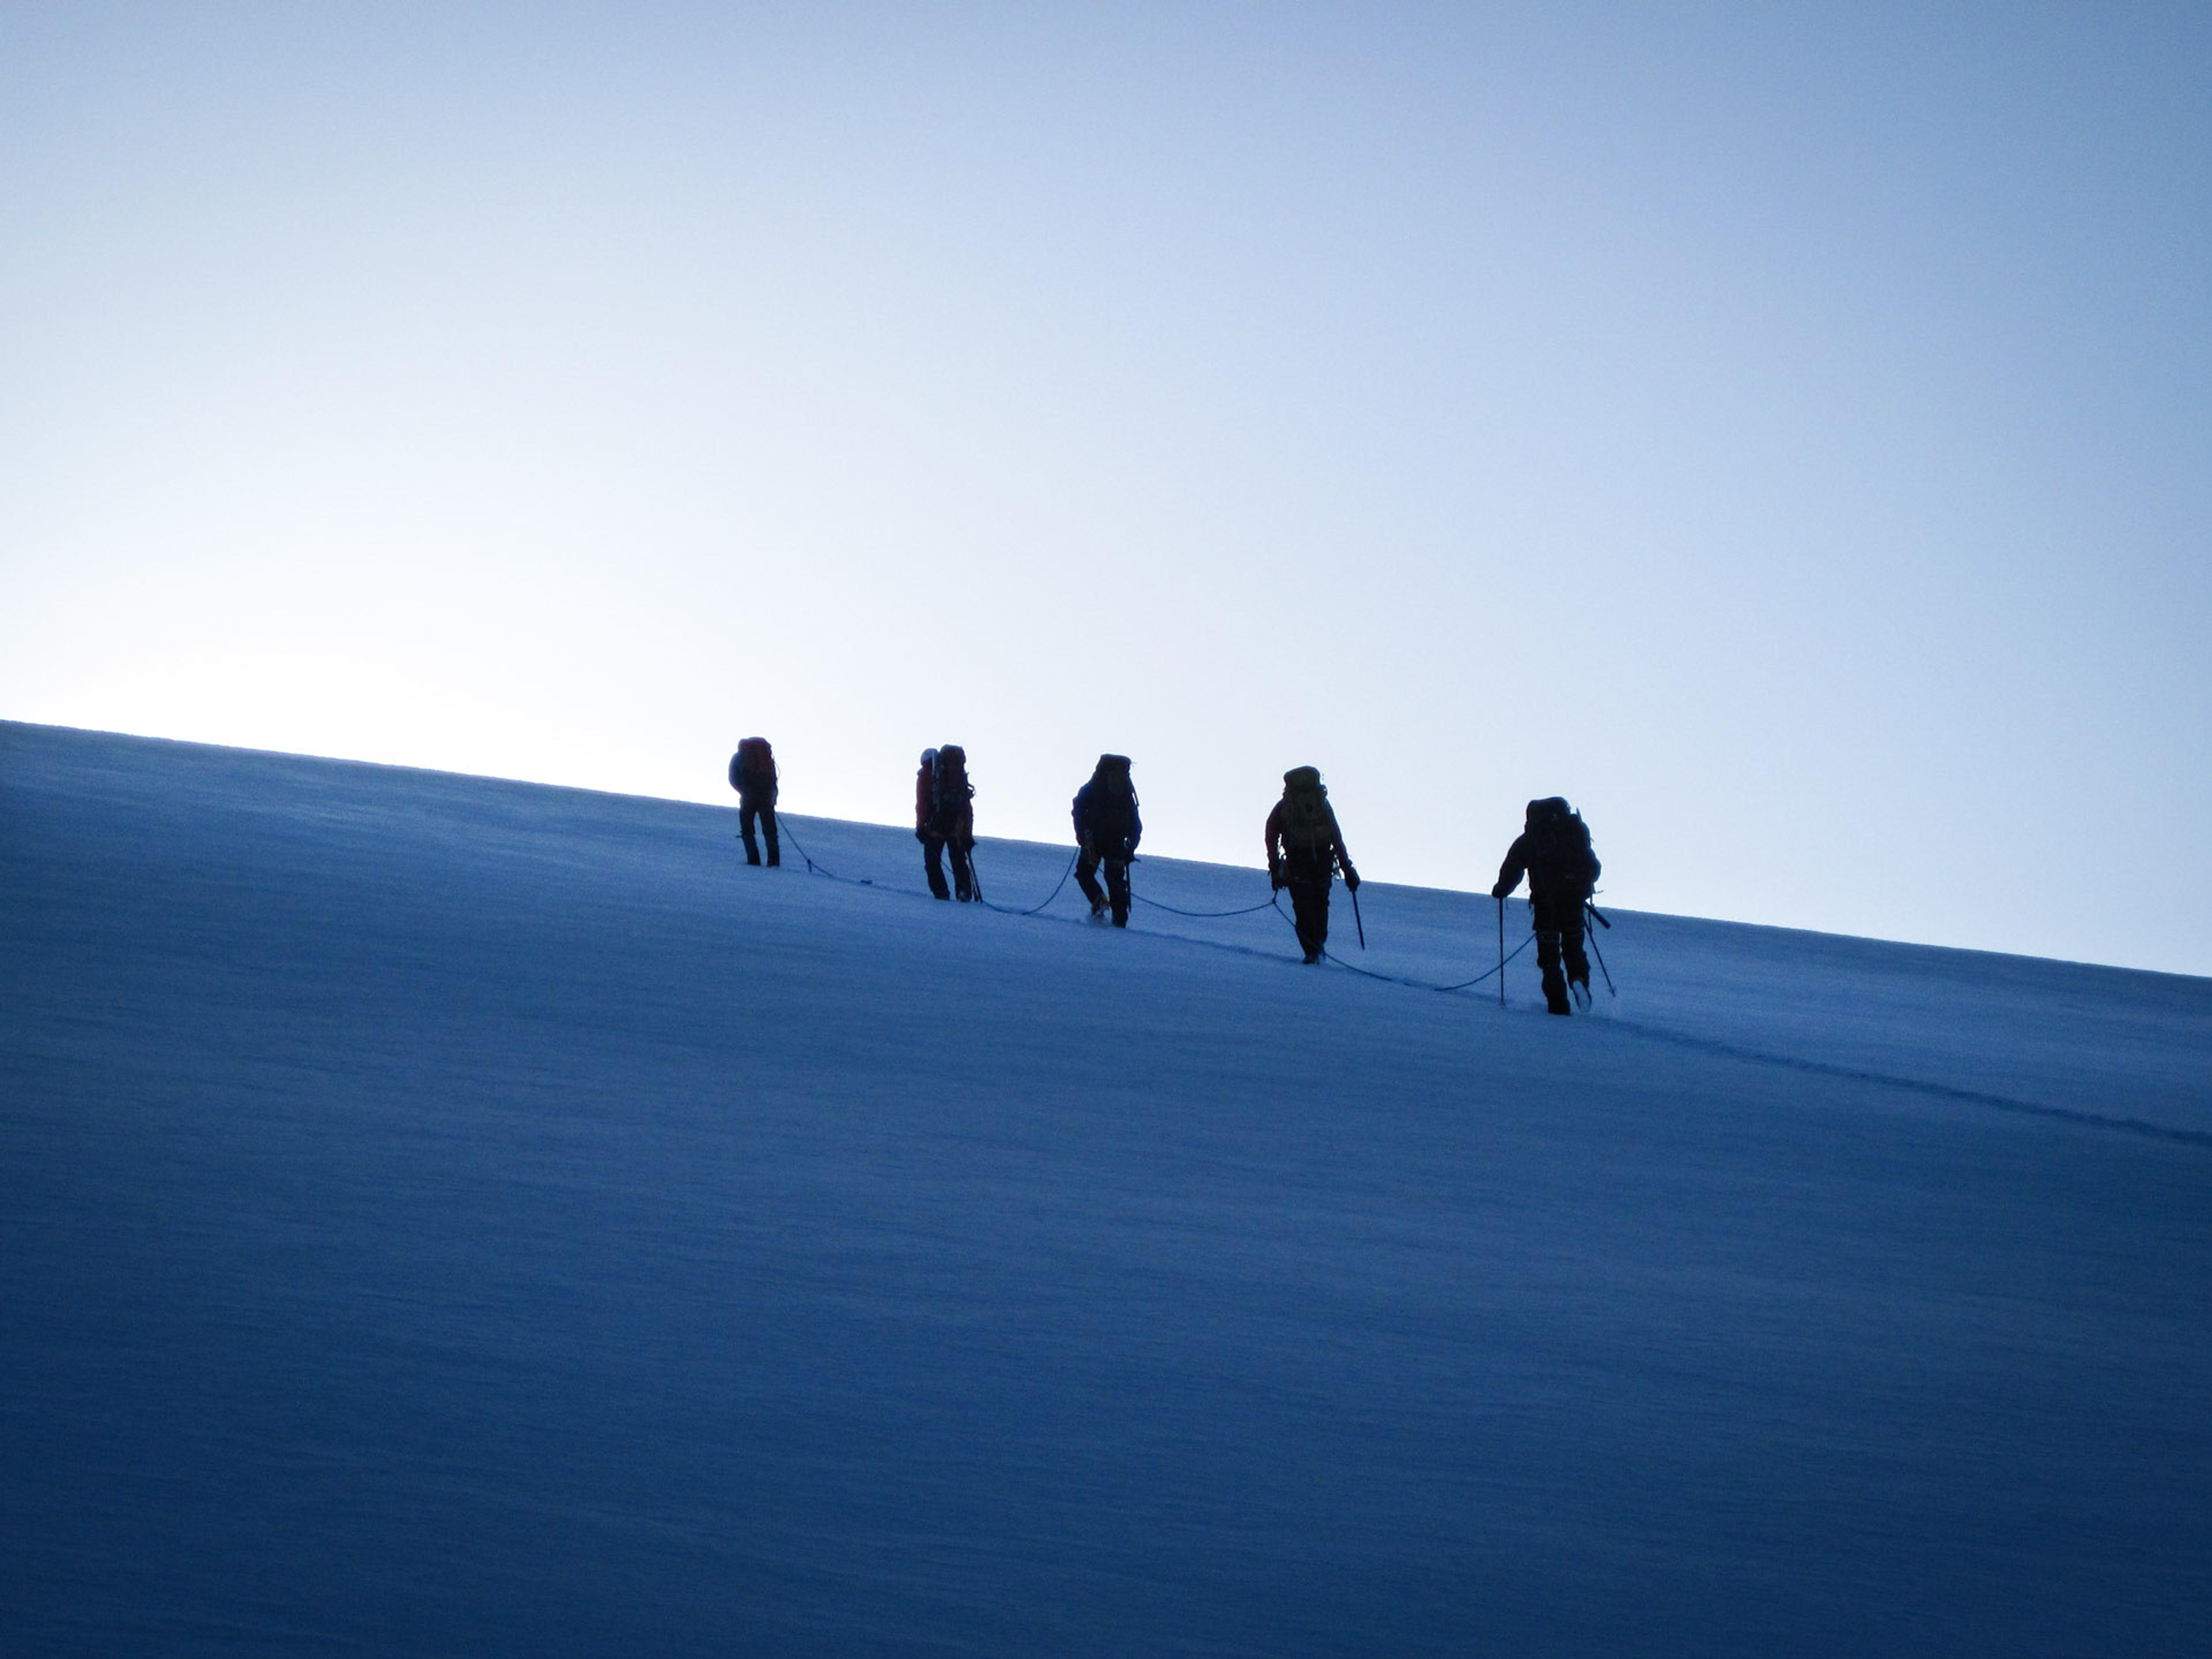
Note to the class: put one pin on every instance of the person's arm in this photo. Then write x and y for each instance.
(1136, 822)
(1276, 845)
(1516, 866)
(1343, 858)
(921, 805)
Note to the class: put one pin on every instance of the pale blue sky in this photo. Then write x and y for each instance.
(1787, 434)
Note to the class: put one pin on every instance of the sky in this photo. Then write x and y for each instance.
(1786, 431)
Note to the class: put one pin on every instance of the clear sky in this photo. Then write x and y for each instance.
(1784, 430)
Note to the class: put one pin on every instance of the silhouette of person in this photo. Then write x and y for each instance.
(945, 819)
(1107, 830)
(1304, 850)
(753, 774)
(1553, 849)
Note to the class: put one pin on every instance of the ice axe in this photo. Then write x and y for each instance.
(1358, 925)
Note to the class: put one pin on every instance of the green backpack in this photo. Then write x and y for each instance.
(1307, 824)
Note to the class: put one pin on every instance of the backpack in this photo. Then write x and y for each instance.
(1560, 857)
(949, 788)
(1308, 825)
(754, 761)
(1109, 801)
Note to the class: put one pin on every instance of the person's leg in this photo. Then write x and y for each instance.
(1571, 947)
(963, 874)
(768, 823)
(933, 863)
(1544, 915)
(1117, 887)
(1086, 878)
(1547, 960)
(745, 816)
(1310, 910)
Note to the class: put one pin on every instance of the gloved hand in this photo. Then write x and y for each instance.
(922, 835)
(1500, 891)
(1351, 880)
(1275, 879)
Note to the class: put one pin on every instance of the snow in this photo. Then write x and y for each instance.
(444, 1215)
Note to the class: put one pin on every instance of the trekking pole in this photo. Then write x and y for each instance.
(1598, 954)
(1501, 953)
(1356, 922)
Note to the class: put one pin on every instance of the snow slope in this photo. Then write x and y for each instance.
(446, 1216)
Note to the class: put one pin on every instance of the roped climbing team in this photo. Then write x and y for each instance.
(1305, 852)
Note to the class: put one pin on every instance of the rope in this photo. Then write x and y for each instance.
(1034, 908)
(1273, 902)
(1489, 973)
(1207, 915)
(1420, 985)
(783, 832)
(1392, 978)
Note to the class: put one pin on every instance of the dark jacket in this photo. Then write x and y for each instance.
(1107, 821)
(1553, 851)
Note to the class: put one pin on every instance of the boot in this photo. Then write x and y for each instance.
(1555, 992)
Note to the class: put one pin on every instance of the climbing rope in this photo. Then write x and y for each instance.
(1487, 973)
(783, 832)
(1273, 902)
(1393, 979)
(1207, 915)
(1034, 908)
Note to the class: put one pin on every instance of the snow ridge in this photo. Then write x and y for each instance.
(440, 1215)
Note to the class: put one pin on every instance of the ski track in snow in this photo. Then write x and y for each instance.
(440, 1215)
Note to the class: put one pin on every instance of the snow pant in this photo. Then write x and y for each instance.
(1309, 879)
(1558, 922)
(762, 814)
(932, 861)
(1116, 891)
